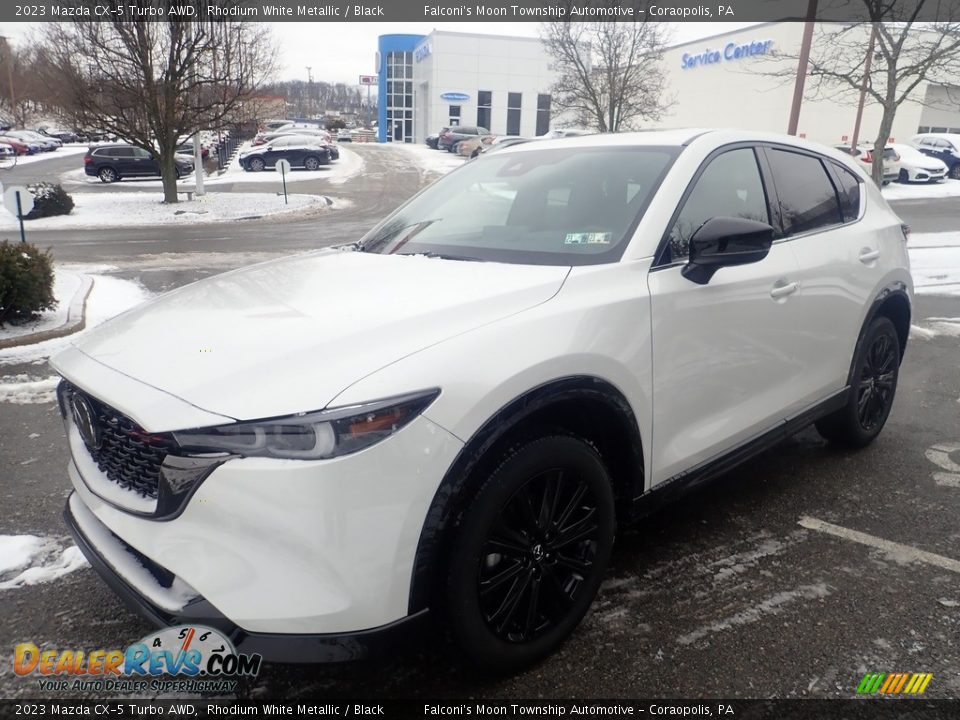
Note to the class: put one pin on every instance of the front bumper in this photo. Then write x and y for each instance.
(276, 647)
(280, 547)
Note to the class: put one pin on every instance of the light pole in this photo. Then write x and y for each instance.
(309, 90)
(802, 68)
(863, 86)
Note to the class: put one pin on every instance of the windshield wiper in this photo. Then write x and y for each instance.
(442, 256)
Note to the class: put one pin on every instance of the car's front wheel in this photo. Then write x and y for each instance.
(955, 172)
(530, 553)
(904, 176)
(108, 175)
(874, 384)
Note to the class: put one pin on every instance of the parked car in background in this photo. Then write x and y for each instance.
(504, 141)
(7, 151)
(301, 151)
(186, 148)
(891, 161)
(566, 132)
(44, 144)
(917, 167)
(432, 140)
(344, 136)
(113, 162)
(65, 136)
(21, 146)
(471, 147)
(346, 478)
(945, 147)
(449, 139)
(262, 138)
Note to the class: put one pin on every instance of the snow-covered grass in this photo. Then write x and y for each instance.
(438, 162)
(109, 296)
(38, 559)
(127, 209)
(25, 389)
(922, 191)
(65, 284)
(935, 262)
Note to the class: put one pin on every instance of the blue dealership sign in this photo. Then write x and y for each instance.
(731, 51)
(455, 97)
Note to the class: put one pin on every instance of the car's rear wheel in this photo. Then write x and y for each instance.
(874, 384)
(108, 175)
(955, 172)
(530, 553)
(311, 163)
(256, 165)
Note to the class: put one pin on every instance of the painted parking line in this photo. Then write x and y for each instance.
(939, 455)
(901, 551)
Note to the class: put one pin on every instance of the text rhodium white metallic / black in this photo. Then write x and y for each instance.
(448, 415)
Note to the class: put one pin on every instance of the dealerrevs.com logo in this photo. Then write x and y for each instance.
(200, 659)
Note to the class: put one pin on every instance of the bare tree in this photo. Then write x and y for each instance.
(608, 73)
(906, 53)
(152, 82)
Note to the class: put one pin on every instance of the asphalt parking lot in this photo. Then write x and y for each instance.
(792, 576)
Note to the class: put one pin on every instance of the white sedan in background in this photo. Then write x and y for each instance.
(917, 167)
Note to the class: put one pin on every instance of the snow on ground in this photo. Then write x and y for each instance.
(41, 156)
(109, 296)
(922, 191)
(38, 559)
(439, 162)
(126, 209)
(25, 389)
(935, 262)
(65, 284)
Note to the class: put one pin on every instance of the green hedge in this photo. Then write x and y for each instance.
(26, 282)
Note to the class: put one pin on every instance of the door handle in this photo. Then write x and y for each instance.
(867, 255)
(779, 291)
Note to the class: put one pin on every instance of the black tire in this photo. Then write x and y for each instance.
(904, 176)
(876, 369)
(955, 172)
(538, 535)
(311, 163)
(176, 172)
(108, 175)
(475, 153)
(256, 165)
(455, 148)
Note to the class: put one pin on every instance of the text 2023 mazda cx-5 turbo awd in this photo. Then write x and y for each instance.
(533, 347)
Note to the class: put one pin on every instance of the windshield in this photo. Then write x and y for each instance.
(565, 206)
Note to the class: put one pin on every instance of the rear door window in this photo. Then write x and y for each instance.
(807, 198)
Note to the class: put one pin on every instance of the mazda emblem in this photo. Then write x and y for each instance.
(83, 416)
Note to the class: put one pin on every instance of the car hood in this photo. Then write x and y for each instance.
(290, 335)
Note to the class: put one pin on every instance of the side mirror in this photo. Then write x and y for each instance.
(723, 241)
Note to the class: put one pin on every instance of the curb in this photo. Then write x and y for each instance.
(76, 319)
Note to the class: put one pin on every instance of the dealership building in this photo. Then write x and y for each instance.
(739, 79)
(426, 82)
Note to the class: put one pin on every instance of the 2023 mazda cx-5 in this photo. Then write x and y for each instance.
(532, 348)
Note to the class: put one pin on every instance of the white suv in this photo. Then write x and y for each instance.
(451, 415)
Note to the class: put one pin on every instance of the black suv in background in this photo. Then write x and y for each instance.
(115, 162)
(448, 140)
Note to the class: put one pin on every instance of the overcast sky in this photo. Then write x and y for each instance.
(340, 52)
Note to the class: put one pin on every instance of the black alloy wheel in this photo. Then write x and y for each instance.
(878, 379)
(904, 176)
(531, 553)
(876, 369)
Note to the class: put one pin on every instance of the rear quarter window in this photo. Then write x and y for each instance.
(807, 198)
(849, 193)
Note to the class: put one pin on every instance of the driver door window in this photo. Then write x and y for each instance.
(730, 186)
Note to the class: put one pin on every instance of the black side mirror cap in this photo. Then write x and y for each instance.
(726, 241)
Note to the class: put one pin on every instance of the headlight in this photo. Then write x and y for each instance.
(310, 436)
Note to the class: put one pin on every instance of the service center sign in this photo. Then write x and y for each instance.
(731, 51)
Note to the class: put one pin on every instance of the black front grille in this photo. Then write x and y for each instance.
(127, 454)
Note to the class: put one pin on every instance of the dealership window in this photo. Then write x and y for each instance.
(484, 105)
(513, 113)
(400, 96)
(454, 116)
(543, 114)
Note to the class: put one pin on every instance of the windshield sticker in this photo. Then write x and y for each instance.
(594, 238)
